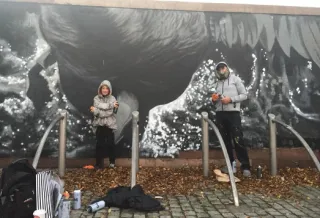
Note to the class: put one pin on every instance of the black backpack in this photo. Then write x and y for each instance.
(18, 190)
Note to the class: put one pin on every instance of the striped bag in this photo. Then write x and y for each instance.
(49, 189)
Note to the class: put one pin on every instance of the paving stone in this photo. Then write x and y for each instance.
(260, 212)
(126, 215)
(174, 205)
(223, 210)
(212, 213)
(190, 213)
(284, 211)
(176, 214)
(187, 208)
(227, 215)
(274, 213)
(291, 215)
(196, 205)
(164, 213)
(297, 212)
(216, 216)
(176, 209)
(251, 214)
(203, 215)
(139, 216)
(264, 206)
(240, 215)
(199, 210)
(218, 204)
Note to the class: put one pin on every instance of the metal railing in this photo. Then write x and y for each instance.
(62, 119)
(273, 143)
(205, 153)
(135, 148)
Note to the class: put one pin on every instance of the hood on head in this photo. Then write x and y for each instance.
(219, 75)
(105, 83)
(220, 64)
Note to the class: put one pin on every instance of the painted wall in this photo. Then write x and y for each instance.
(160, 63)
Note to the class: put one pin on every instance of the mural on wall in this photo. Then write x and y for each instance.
(53, 57)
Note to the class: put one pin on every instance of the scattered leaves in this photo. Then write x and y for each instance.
(188, 180)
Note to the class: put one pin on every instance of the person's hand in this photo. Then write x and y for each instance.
(226, 100)
(116, 104)
(215, 97)
(92, 108)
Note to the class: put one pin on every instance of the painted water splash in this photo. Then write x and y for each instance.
(175, 126)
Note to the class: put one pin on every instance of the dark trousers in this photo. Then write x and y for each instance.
(105, 145)
(229, 124)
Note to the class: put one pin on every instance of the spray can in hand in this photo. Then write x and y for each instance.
(76, 199)
(115, 109)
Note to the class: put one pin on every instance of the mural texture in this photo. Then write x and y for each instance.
(160, 63)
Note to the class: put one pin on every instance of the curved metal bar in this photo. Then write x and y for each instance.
(305, 144)
(43, 140)
(226, 156)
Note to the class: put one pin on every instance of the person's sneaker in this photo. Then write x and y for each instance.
(112, 165)
(246, 173)
(225, 168)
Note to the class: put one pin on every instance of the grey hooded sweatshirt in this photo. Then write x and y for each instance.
(231, 87)
(103, 108)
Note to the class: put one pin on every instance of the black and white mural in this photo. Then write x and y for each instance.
(53, 57)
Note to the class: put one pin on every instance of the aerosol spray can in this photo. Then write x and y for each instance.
(115, 109)
(76, 199)
(259, 172)
(96, 206)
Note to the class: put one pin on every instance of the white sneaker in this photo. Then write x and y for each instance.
(112, 165)
(246, 173)
(234, 168)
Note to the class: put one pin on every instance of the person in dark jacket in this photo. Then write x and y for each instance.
(104, 123)
(230, 92)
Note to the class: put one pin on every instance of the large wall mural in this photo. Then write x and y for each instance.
(53, 57)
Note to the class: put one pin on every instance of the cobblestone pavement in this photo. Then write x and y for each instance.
(219, 204)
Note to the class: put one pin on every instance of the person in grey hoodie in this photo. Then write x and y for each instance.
(230, 92)
(104, 123)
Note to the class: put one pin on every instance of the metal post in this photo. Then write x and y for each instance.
(205, 144)
(62, 143)
(273, 144)
(135, 147)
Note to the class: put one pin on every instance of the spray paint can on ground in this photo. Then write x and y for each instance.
(259, 172)
(96, 206)
(76, 199)
(64, 209)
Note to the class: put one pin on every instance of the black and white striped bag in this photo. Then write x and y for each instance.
(49, 189)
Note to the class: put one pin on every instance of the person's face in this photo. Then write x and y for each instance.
(222, 69)
(105, 90)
